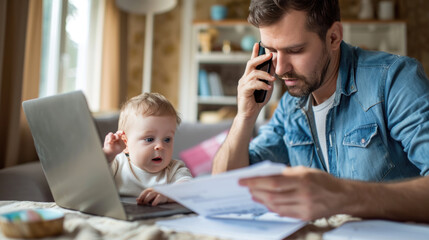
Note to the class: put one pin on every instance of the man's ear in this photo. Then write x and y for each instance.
(334, 36)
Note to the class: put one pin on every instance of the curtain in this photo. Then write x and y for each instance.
(20, 45)
(13, 32)
(31, 79)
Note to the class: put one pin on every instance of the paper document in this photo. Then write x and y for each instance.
(226, 209)
(221, 194)
(233, 228)
(378, 230)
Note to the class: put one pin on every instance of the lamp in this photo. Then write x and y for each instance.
(149, 8)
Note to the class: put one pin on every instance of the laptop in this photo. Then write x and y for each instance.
(72, 158)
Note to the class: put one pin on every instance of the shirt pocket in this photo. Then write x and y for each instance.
(300, 149)
(367, 158)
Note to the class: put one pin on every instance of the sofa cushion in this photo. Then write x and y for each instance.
(199, 158)
(105, 123)
(190, 134)
(24, 182)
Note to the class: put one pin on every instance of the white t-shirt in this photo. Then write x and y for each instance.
(132, 180)
(320, 112)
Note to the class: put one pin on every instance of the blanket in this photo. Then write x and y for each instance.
(83, 226)
(79, 225)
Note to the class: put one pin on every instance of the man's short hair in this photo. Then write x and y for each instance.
(146, 104)
(321, 14)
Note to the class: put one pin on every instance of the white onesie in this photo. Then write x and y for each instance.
(131, 180)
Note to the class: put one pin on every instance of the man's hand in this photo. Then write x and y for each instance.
(149, 196)
(234, 152)
(298, 192)
(249, 82)
(114, 143)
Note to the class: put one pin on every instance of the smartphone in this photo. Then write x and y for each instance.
(265, 66)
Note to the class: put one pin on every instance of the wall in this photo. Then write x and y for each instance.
(415, 13)
(165, 67)
(165, 55)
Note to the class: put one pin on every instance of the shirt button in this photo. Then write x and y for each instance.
(363, 140)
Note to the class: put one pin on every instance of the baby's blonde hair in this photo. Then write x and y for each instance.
(146, 104)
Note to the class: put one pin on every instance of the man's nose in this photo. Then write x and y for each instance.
(282, 64)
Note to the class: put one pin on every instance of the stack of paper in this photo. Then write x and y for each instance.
(378, 230)
(226, 209)
(233, 228)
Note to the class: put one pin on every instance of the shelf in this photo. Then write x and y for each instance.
(387, 35)
(220, 57)
(234, 22)
(371, 21)
(370, 34)
(220, 23)
(217, 100)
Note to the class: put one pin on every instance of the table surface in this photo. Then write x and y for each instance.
(79, 225)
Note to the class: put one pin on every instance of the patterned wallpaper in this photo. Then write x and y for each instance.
(165, 54)
(416, 13)
(165, 67)
(136, 27)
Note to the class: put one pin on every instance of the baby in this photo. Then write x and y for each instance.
(140, 151)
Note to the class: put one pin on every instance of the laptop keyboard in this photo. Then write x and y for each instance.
(135, 209)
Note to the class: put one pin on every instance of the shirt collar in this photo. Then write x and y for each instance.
(347, 83)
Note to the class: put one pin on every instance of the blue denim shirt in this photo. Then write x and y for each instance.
(377, 129)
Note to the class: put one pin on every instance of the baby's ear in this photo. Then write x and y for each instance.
(124, 138)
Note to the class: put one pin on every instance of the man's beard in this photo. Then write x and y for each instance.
(309, 86)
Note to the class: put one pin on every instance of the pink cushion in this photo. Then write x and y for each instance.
(199, 158)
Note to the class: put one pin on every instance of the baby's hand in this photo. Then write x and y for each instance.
(114, 144)
(149, 196)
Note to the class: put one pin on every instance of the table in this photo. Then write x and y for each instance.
(83, 226)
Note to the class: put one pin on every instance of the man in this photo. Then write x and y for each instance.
(350, 123)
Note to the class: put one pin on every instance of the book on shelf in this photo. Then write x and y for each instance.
(209, 84)
(203, 83)
(215, 84)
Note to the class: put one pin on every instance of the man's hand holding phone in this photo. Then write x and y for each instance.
(255, 86)
(266, 67)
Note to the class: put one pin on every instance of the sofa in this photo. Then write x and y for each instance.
(27, 181)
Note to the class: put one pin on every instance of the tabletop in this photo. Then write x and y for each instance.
(79, 225)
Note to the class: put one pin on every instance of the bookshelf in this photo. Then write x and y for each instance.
(380, 35)
(228, 65)
(389, 36)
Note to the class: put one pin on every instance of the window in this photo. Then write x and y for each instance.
(71, 48)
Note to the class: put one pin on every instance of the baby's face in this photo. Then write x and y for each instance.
(150, 141)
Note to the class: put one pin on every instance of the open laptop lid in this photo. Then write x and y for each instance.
(70, 151)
